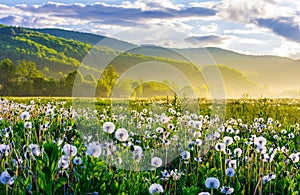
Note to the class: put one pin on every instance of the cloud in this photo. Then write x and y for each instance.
(211, 28)
(206, 40)
(123, 14)
(8, 20)
(152, 5)
(280, 16)
(282, 26)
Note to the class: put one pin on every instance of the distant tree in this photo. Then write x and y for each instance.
(25, 71)
(7, 69)
(107, 81)
(123, 89)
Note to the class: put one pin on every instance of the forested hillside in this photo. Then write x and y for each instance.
(47, 65)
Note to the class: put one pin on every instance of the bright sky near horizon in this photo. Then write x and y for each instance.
(259, 27)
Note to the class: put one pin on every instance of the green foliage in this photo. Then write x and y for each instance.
(58, 52)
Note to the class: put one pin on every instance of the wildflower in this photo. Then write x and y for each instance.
(216, 134)
(164, 119)
(28, 125)
(284, 149)
(294, 158)
(121, 134)
(283, 131)
(204, 193)
(191, 145)
(261, 149)
(291, 136)
(108, 127)
(268, 178)
(63, 162)
(220, 147)
(198, 159)
(165, 175)
(6, 178)
(44, 127)
(228, 140)
(226, 190)
(260, 141)
(70, 150)
(4, 149)
(137, 153)
(93, 149)
(156, 188)
(137, 150)
(221, 129)
(198, 142)
(212, 182)
(232, 163)
(77, 160)
(229, 172)
(34, 149)
(25, 116)
(197, 134)
(159, 130)
(197, 125)
(229, 129)
(176, 175)
(238, 152)
(185, 155)
(156, 162)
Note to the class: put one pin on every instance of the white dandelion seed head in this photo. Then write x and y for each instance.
(77, 160)
(4, 149)
(35, 149)
(212, 182)
(185, 155)
(27, 125)
(260, 141)
(63, 162)
(156, 188)
(294, 157)
(238, 152)
(25, 116)
(70, 150)
(227, 190)
(159, 130)
(156, 162)
(6, 178)
(121, 134)
(204, 193)
(261, 149)
(108, 127)
(230, 172)
(93, 149)
(198, 142)
(220, 147)
(227, 140)
(164, 119)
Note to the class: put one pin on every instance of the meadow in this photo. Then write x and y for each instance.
(149, 146)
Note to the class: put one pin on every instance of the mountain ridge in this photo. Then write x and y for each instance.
(66, 54)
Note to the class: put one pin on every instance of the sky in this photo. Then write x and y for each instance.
(256, 27)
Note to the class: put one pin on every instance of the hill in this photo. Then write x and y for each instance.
(273, 72)
(57, 58)
(89, 38)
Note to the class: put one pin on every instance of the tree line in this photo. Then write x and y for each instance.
(24, 79)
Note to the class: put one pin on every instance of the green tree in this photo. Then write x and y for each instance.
(107, 81)
(25, 71)
(7, 69)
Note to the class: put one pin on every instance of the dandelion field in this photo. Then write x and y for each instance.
(149, 146)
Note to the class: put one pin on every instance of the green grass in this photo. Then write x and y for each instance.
(41, 171)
